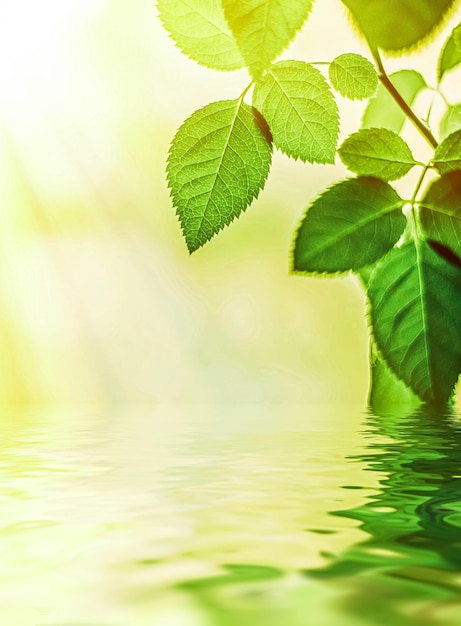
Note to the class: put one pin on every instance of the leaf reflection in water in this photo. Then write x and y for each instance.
(408, 568)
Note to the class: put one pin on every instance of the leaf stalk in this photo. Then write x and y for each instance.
(385, 80)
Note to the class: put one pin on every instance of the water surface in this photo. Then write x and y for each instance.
(234, 515)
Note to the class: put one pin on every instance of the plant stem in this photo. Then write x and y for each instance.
(245, 91)
(418, 184)
(384, 78)
(414, 210)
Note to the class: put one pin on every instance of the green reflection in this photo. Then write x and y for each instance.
(405, 572)
(412, 557)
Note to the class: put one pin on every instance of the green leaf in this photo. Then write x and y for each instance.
(451, 120)
(387, 392)
(450, 55)
(296, 101)
(447, 155)
(383, 111)
(351, 225)
(200, 30)
(415, 297)
(264, 28)
(440, 211)
(377, 152)
(218, 163)
(397, 24)
(353, 76)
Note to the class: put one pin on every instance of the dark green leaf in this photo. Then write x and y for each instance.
(389, 392)
(353, 76)
(264, 28)
(440, 211)
(450, 56)
(300, 109)
(415, 297)
(383, 111)
(445, 252)
(200, 30)
(351, 225)
(447, 155)
(377, 152)
(218, 163)
(397, 24)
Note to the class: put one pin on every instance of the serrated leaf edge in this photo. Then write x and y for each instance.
(340, 273)
(192, 249)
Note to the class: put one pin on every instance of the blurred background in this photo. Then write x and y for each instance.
(99, 298)
(108, 510)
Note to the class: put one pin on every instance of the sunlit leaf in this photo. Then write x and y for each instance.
(264, 28)
(415, 297)
(397, 24)
(351, 225)
(377, 152)
(450, 55)
(200, 30)
(440, 211)
(447, 155)
(218, 163)
(383, 111)
(353, 76)
(300, 109)
(450, 121)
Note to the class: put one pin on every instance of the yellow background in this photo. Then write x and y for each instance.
(99, 299)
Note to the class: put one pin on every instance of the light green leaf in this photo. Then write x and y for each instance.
(218, 163)
(415, 298)
(450, 121)
(200, 30)
(353, 76)
(440, 211)
(450, 55)
(447, 155)
(264, 28)
(296, 101)
(397, 24)
(351, 225)
(377, 152)
(383, 111)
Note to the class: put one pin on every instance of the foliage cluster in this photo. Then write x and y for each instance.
(407, 251)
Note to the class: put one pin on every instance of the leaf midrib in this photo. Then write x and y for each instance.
(378, 158)
(353, 76)
(304, 124)
(422, 293)
(228, 34)
(439, 209)
(210, 192)
(355, 227)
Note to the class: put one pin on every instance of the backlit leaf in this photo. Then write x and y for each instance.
(447, 155)
(200, 30)
(218, 163)
(450, 121)
(397, 24)
(264, 28)
(296, 101)
(351, 225)
(377, 152)
(415, 297)
(450, 56)
(383, 111)
(440, 211)
(353, 76)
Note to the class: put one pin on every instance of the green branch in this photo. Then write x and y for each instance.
(385, 80)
